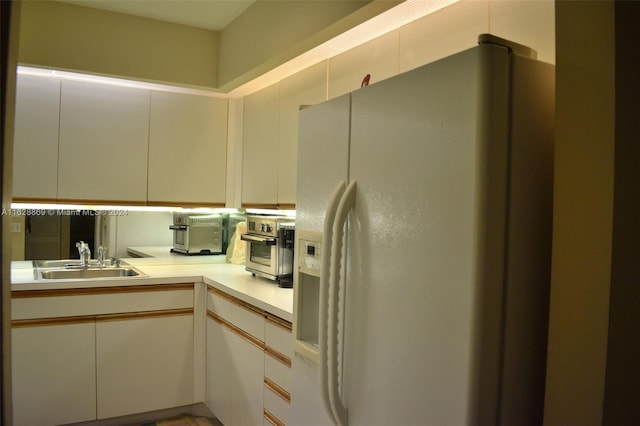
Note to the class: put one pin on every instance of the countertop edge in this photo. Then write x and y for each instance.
(231, 279)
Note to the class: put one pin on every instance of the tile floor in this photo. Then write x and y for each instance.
(190, 415)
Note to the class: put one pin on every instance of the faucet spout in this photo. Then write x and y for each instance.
(85, 253)
(102, 256)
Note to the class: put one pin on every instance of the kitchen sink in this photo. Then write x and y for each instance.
(66, 263)
(85, 273)
(71, 269)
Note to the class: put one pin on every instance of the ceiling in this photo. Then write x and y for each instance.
(208, 14)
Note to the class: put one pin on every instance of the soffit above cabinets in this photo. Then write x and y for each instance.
(208, 14)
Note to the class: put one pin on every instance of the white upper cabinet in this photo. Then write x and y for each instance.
(35, 146)
(270, 144)
(307, 87)
(187, 149)
(104, 132)
(260, 148)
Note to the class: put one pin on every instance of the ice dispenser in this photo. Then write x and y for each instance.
(307, 293)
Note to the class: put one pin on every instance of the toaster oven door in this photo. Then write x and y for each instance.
(180, 238)
(261, 255)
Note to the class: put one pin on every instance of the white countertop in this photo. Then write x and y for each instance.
(164, 252)
(176, 268)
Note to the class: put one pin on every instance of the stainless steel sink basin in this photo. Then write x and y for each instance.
(70, 269)
(88, 273)
(65, 263)
(55, 263)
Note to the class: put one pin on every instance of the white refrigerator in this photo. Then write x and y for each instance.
(423, 240)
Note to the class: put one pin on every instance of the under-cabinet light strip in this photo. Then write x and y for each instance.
(51, 209)
(113, 81)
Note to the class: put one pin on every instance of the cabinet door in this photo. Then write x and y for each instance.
(187, 149)
(218, 375)
(144, 363)
(53, 374)
(239, 334)
(247, 382)
(35, 146)
(307, 87)
(260, 148)
(103, 144)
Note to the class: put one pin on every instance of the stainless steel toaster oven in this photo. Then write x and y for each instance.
(197, 233)
(269, 248)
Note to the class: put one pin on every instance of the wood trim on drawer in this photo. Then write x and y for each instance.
(34, 200)
(186, 204)
(270, 206)
(237, 330)
(235, 300)
(277, 355)
(144, 315)
(273, 319)
(84, 201)
(273, 386)
(17, 294)
(277, 321)
(272, 419)
(286, 206)
(40, 322)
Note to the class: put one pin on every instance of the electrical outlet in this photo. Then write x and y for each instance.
(15, 227)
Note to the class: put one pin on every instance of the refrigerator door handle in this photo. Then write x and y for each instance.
(346, 205)
(323, 320)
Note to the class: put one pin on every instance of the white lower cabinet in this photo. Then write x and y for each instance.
(144, 363)
(235, 361)
(97, 353)
(246, 382)
(94, 353)
(53, 373)
(218, 370)
(277, 371)
(248, 363)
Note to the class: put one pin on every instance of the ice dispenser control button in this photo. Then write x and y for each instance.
(311, 250)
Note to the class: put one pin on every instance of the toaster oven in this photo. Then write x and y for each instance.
(197, 234)
(269, 248)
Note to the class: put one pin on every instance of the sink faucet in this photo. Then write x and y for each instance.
(85, 253)
(102, 256)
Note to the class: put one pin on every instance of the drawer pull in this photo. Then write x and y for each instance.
(273, 387)
(272, 419)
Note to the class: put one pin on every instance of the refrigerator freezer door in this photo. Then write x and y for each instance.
(429, 152)
(323, 158)
(323, 162)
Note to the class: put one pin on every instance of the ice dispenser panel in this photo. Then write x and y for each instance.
(309, 248)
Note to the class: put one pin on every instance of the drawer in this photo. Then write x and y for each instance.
(237, 314)
(278, 372)
(278, 335)
(99, 301)
(276, 409)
